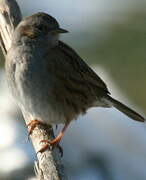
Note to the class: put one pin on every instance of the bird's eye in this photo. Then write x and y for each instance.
(41, 28)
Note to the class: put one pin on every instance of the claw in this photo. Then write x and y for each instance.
(48, 145)
(54, 142)
(32, 125)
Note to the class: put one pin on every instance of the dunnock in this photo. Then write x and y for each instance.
(49, 80)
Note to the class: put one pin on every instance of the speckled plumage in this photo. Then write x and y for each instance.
(48, 79)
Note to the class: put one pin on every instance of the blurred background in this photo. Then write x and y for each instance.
(104, 144)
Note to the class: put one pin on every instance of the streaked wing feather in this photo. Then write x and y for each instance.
(87, 73)
(76, 86)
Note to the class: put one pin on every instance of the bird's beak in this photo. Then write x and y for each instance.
(60, 30)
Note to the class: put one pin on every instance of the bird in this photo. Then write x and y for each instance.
(49, 80)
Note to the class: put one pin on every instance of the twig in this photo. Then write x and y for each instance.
(49, 165)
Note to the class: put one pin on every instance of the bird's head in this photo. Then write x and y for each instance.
(39, 26)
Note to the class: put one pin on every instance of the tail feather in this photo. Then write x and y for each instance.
(125, 109)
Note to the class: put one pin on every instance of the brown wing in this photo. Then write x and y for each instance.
(86, 72)
(76, 86)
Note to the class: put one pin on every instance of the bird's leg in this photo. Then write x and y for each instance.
(32, 125)
(54, 142)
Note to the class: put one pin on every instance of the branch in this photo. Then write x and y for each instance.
(10, 16)
(49, 165)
